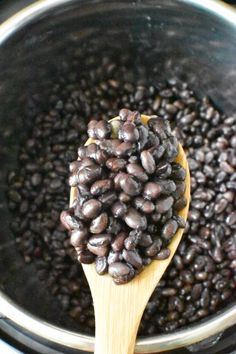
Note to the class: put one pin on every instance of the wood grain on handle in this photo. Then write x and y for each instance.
(119, 308)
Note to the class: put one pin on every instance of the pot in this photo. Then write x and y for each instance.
(190, 39)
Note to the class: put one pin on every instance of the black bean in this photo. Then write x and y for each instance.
(110, 146)
(148, 161)
(85, 257)
(99, 224)
(91, 208)
(154, 248)
(128, 132)
(135, 220)
(119, 209)
(145, 240)
(100, 240)
(102, 129)
(91, 129)
(163, 254)
(133, 258)
(70, 222)
(180, 204)
(118, 242)
(159, 126)
(180, 220)
(163, 170)
(137, 171)
(89, 174)
(178, 172)
(121, 272)
(169, 229)
(124, 149)
(124, 198)
(100, 251)
(100, 187)
(115, 164)
(79, 237)
(108, 198)
(101, 265)
(130, 185)
(124, 113)
(143, 137)
(167, 186)
(196, 291)
(164, 204)
(152, 190)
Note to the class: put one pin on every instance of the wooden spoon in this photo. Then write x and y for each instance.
(119, 308)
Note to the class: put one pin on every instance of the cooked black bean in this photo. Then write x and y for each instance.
(115, 164)
(169, 229)
(78, 237)
(70, 222)
(130, 185)
(135, 220)
(124, 149)
(164, 204)
(163, 170)
(121, 272)
(99, 224)
(89, 174)
(110, 146)
(85, 257)
(100, 187)
(124, 198)
(137, 171)
(180, 220)
(128, 132)
(118, 241)
(119, 209)
(154, 248)
(91, 129)
(145, 240)
(143, 137)
(168, 187)
(148, 161)
(102, 129)
(101, 265)
(124, 114)
(108, 199)
(178, 172)
(152, 190)
(91, 208)
(159, 126)
(163, 254)
(180, 204)
(133, 258)
(100, 240)
(100, 251)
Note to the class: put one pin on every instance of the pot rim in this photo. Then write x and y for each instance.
(24, 319)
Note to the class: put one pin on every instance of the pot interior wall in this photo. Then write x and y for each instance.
(155, 39)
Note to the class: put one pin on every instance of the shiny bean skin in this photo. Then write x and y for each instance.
(99, 224)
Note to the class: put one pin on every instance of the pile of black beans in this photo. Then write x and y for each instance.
(129, 191)
(201, 278)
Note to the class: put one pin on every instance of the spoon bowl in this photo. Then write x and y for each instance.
(119, 309)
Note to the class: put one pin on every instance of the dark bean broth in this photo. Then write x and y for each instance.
(201, 278)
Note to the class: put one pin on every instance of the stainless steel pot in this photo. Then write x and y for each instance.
(192, 39)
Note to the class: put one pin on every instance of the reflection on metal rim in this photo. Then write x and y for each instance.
(75, 340)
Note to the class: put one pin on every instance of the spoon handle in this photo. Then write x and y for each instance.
(115, 334)
(118, 310)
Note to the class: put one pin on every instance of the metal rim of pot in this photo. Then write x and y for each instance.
(181, 338)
